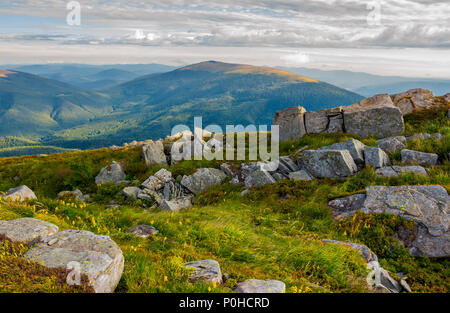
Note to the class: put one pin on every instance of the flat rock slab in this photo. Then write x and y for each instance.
(260, 286)
(27, 230)
(203, 179)
(21, 193)
(98, 257)
(393, 171)
(205, 270)
(143, 231)
(328, 163)
(420, 158)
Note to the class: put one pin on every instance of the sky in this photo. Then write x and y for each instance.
(385, 37)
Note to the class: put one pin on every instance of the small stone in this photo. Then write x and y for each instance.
(205, 270)
(143, 231)
(21, 194)
(177, 204)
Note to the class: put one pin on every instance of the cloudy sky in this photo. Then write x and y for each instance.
(387, 37)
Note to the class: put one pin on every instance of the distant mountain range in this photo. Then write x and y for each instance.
(58, 114)
(369, 85)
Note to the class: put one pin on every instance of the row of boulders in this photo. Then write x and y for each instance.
(380, 115)
(96, 257)
(427, 206)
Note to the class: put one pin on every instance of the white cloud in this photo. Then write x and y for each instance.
(296, 59)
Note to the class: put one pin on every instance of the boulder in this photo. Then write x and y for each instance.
(76, 194)
(173, 190)
(328, 163)
(203, 179)
(355, 147)
(392, 144)
(111, 174)
(205, 270)
(153, 153)
(176, 205)
(21, 194)
(228, 169)
(381, 121)
(260, 286)
(428, 206)
(347, 206)
(392, 171)
(143, 231)
(327, 120)
(258, 178)
(300, 175)
(158, 180)
(410, 100)
(291, 123)
(376, 157)
(420, 158)
(131, 192)
(27, 231)
(97, 257)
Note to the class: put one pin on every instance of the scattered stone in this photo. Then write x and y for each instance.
(258, 178)
(114, 147)
(376, 157)
(131, 192)
(154, 153)
(300, 175)
(393, 171)
(21, 194)
(76, 194)
(177, 204)
(27, 231)
(143, 231)
(420, 158)
(392, 144)
(203, 179)
(260, 286)
(346, 207)
(355, 147)
(291, 123)
(228, 169)
(158, 180)
(98, 257)
(328, 163)
(111, 174)
(205, 270)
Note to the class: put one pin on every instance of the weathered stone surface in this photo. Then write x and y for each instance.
(111, 174)
(203, 179)
(316, 122)
(419, 99)
(97, 256)
(205, 270)
(158, 180)
(327, 163)
(131, 192)
(420, 158)
(382, 121)
(154, 153)
(258, 178)
(21, 193)
(392, 171)
(355, 147)
(426, 205)
(300, 175)
(392, 144)
(76, 194)
(173, 190)
(376, 157)
(260, 286)
(27, 230)
(291, 123)
(228, 169)
(336, 124)
(176, 204)
(346, 207)
(143, 231)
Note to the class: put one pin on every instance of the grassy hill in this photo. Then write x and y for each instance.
(274, 232)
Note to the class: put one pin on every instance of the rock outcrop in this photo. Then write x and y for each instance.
(328, 163)
(97, 257)
(27, 231)
(291, 122)
(414, 99)
(154, 153)
(203, 179)
(21, 194)
(355, 147)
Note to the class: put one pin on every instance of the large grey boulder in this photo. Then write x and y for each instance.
(327, 120)
(392, 144)
(420, 158)
(393, 171)
(21, 193)
(428, 206)
(153, 153)
(382, 121)
(376, 157)
(328, 163)
(346, 207)
(410, 100)
(176, 204)
(97, 257)
(205, 270)
(27, 230)
(291, 123)
(111, 174)
(260, 286)
(203, 179)
(355, 147)
(158, 180)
